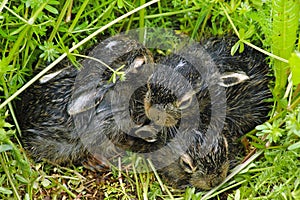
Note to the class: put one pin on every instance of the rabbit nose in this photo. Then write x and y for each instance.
(157, 114)
(216, 181)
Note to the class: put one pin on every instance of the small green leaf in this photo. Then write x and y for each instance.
(160, 52)
(122, 77)
(5, 190)
(54, 2)
(81, 26)
(296, 194)
(17, 31)
(261, 127)
(5, 147)
(51, 9)
(251, 165)
(234, 48)
(21, 179)
(258, 146)
(46, 182)
(242, 33)
(27, 197)
(242, 47)
(107, 12)
(296, 132)
(189, 193)
(285, 22)
(3, 136)
(294, 146)
(250, 32)
(294, 62)
(114, 78)
(237, 195)
(50, 51)
(120, 4)
(7, 125)
(3, 34)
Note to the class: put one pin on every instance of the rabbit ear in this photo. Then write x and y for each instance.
(187, 163)
(147, 133)
(86, 98)
(230, 79)
(69, 71)
(186, 100)
(82, 103)
(48, 77)
(137, 64)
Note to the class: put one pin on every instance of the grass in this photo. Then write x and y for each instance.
(35, 34)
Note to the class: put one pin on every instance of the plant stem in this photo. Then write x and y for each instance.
(138, 190)
(3, 5)
(168, 13)
(15, 14)
(59, 20)
(159, 180)
(142, 22)
(4, 167)
(78, 15)
(22, 35)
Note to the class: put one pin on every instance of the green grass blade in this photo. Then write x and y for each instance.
(285, 25)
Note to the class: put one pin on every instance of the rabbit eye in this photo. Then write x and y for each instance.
(185, 101)
(186, 163)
